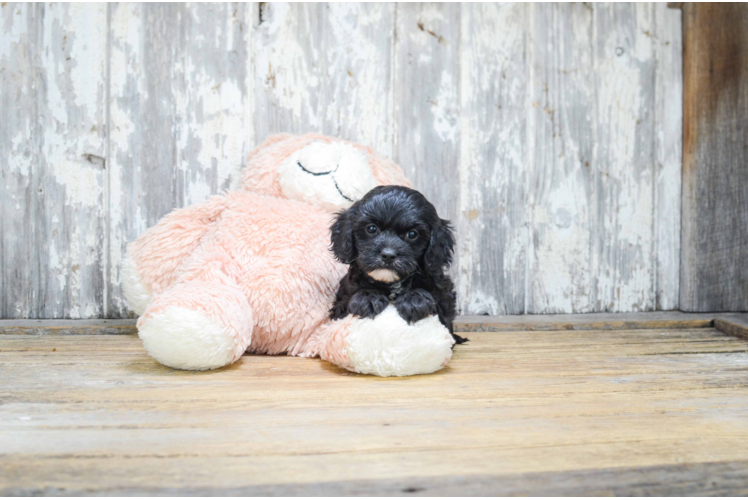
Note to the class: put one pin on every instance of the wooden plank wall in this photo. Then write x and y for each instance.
(548, 133)
(714, 272)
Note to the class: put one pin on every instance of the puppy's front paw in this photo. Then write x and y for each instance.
(367, 304)
(415, 305)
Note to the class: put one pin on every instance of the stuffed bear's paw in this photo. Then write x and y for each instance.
(388, 346)
(136, 292)
(367, 303)
(187, 339)
(415, 305)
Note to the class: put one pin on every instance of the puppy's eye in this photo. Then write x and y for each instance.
(371, 229)
(412, 235)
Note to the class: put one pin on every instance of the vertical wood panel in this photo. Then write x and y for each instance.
(561, 143)
(668, 161)
(212, 97)
(55, 267)
(142, 151)
(492, 223)
(179, 101)
(426, 64)
(714, 252)
(549, 134)
(325, 68)
(427, 98)
(623, 204)
(20, 145)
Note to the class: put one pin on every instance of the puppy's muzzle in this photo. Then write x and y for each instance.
(384, 275)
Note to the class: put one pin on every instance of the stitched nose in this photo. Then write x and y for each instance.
(388, 254)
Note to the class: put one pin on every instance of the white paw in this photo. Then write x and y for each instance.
(388, 346)
(136, 292)
(188, 340)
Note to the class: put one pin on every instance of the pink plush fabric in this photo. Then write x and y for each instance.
(253, 261)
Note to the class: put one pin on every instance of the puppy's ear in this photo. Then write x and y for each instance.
(342, 236)
(439, 253)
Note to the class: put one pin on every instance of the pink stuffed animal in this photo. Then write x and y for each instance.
(252, 271)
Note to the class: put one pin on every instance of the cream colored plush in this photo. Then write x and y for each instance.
(251, 270)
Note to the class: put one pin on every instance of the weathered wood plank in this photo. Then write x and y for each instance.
(735, 325)
(427, 101)
(714, 255)
(510, 323)
(324, 68)
(142, 151)
(596, 245)
(492, 214)
(69, 327)
(20, 145)
(702, 479)
(212, 97)
(563, 203)
(94, 414)
(55, 100)
(179, 114)
(591, 321)
(668, 120)
(623, 173)
(561, 147)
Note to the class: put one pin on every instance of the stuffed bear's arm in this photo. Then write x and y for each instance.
(385, 346)
(162, 249)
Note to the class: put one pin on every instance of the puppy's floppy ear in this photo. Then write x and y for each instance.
(439, 253)
(342, 236)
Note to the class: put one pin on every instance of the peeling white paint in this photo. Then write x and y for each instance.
(89, 54)
(14, 27)
(525, 124)
(492, 244)
(20, 159)
(285, 70)
(482, 304)
(445, 119)
(83, 183)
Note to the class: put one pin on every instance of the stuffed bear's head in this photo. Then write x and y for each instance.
(323, 171)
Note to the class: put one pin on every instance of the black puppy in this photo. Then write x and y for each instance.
(397, 248)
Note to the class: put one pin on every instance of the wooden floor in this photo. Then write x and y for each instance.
(631, 411)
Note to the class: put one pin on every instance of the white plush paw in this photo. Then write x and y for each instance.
(388, 346)
(136, 292)
(188, 340)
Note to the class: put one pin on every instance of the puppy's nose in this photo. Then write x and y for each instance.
(388, 254)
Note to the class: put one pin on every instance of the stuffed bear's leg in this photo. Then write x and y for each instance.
(386, 345)
(197, 325)
(153, 259)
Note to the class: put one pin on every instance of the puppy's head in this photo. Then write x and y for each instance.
(392, 232)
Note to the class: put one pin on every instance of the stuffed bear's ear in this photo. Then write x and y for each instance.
(439, 253)
(342, 236)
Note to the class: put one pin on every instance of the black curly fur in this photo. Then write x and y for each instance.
(423, 288)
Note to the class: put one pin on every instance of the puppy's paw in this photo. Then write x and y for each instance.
(415, 305)
(367, 304)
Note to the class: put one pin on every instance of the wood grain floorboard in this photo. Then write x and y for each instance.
(715, 479)
(655, 411)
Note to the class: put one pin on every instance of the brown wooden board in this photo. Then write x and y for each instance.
(736, 326)
(714, 248)
(575, 412)
(702, 479)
